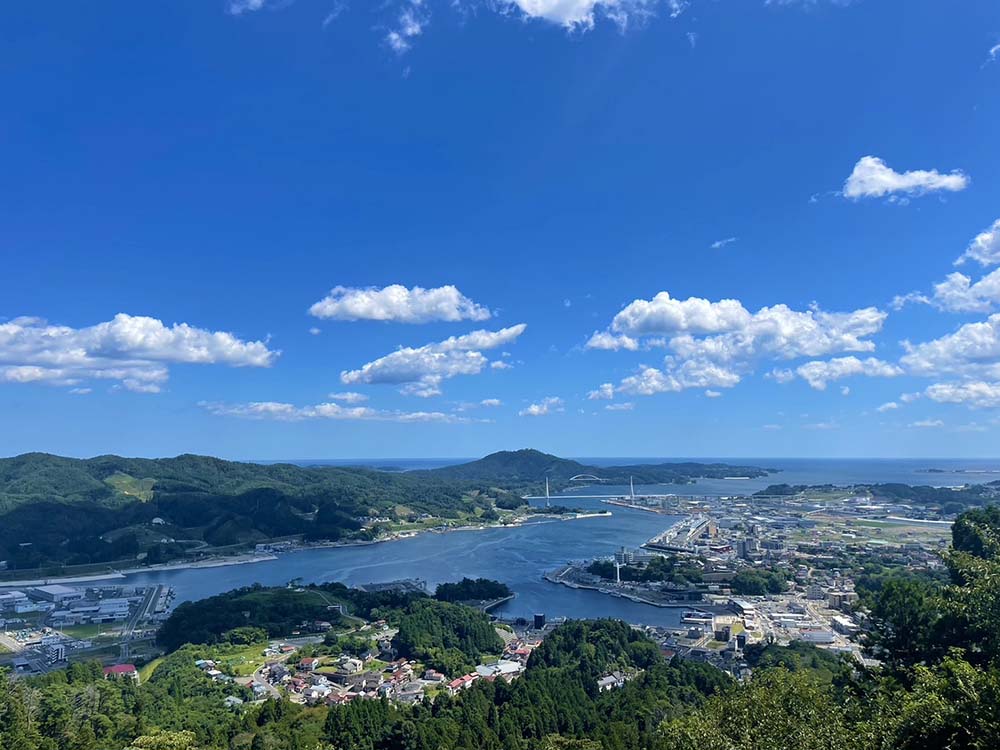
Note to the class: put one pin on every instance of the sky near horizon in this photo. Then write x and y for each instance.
(328, 228)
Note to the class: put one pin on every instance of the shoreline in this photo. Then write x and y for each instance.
(248, 559)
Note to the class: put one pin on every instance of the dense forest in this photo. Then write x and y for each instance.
(472, 590)
(57, 511)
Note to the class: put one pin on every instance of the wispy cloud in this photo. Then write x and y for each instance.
(285, 412)
(719, 244)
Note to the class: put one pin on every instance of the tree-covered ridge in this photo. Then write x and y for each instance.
(472, 590)
(77, 512)
(65, 511)
(277, 610)
(447, 637)
(531, 467)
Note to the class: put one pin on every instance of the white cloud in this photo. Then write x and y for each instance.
(719, 244)
(501, 365)
(397, 304)
(603, 391)
(582, 14)
(239, 7)
(771, 427)
(348, 397)
(715, 343)
(985, 247)
(421, 370)
(678, 376)
(819, 373)
(665, 315)
(887, 406)
(845, 390)
(548, 405)
(283, 412)
(872, 178)
(712, 394)
(781, 375)
(409, 24)
(491, 402)
(132, 350)
(611, 342)
(973, 351)
(976, 394)
(624, 406)
(927, 423)
(994, 54)
(957, 293)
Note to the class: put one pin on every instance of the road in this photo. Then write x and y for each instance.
(142, 611)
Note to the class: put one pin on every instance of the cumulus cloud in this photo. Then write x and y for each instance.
(873, 178)
(887, 406)
(819, 373)
(984, 248)
(927, 423)
(284, 412)
(491, 402)
(603, 391)
(624, 406)
(611, 342)
(973, 352)
(994, 54)
(421, 370)
(975, 394)
(397, 304)
(132, 351)
(548, 405)
(958, 293)
(664, 315)
(712, 394)
(713, 344)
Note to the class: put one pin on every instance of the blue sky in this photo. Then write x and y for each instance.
(311, 228)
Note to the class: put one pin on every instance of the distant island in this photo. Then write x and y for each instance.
(62, 516)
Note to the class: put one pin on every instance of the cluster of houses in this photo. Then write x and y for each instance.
(322, 681)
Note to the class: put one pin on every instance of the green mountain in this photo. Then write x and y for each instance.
(56, 510)
(530, 466)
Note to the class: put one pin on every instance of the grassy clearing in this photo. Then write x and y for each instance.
(87, 632)
(241, 661)
(141, 489)
(146, 671)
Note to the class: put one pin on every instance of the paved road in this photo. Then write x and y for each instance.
(142, 611)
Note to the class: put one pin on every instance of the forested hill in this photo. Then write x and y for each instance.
(528, 466)
(83, 511)
(67, 511)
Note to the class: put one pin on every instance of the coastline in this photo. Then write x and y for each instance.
(247, 559)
